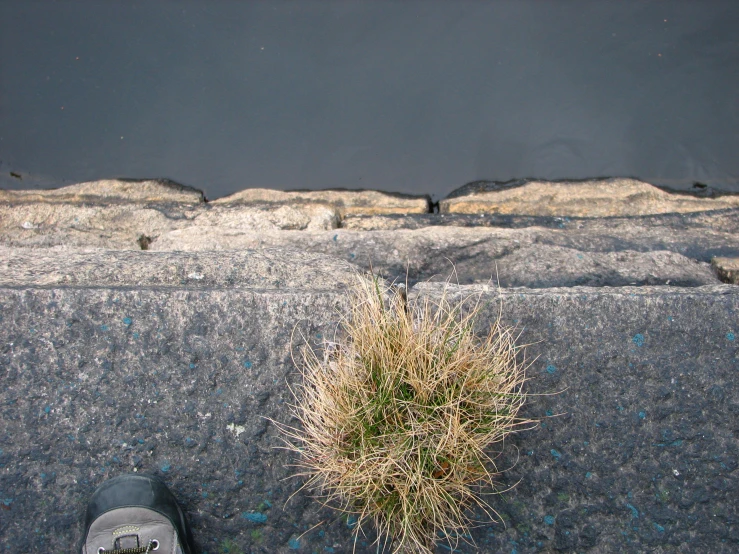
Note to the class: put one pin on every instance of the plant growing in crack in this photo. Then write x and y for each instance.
(400, 412)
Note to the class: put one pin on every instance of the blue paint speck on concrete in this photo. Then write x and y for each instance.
(127, 321)
(247, 364)
(638, 339)
(269, 505)
(642, 415)
(659, 528)
(103, 327)
(7, 501)
(550, 413)
(554, 453)
(551, 369)
(166, 467)
(193, 366)
(549, 520)
(634, 511)
(730, 336)
(294, 543)
(135, 335)
(256, 517)
(336, 237)
(588, 475)
(47, 409)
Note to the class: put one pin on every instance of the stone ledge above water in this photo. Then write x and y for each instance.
(364, 202)
(363, 228)
(587, 198)
(110, 191)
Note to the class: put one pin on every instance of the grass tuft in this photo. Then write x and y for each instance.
(399, 413)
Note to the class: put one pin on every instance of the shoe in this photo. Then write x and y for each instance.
(135, 514)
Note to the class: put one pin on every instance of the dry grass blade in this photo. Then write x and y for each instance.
(398, 415)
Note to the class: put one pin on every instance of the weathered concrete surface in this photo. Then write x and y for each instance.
(725, 220)
(366, 202)
(594, 254)
(540, 266)
(173, 380)
(121, 226)
(727, 269)
(568, 252)
(110, 191)
(642, 450)
(520, 250)
(591, 198)
(266, 269)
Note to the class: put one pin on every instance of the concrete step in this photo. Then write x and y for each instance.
(165, 362)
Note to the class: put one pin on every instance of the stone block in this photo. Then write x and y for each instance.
(112, 362)
(727, 269)
(589, 198)
(130, 226)
(574, 252)
(365, 202)
(110, 191)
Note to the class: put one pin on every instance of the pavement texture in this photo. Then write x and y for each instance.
(143, 328)
(635, 388)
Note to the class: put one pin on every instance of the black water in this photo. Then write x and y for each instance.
(409, 96)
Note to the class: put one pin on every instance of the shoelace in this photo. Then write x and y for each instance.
(139, 550)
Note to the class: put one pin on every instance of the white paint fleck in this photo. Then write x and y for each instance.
(235, 429)
(196, 276)
(28, 225)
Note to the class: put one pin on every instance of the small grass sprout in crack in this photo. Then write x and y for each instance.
(399, 413)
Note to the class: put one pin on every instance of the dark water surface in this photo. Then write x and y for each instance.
(407, 96)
